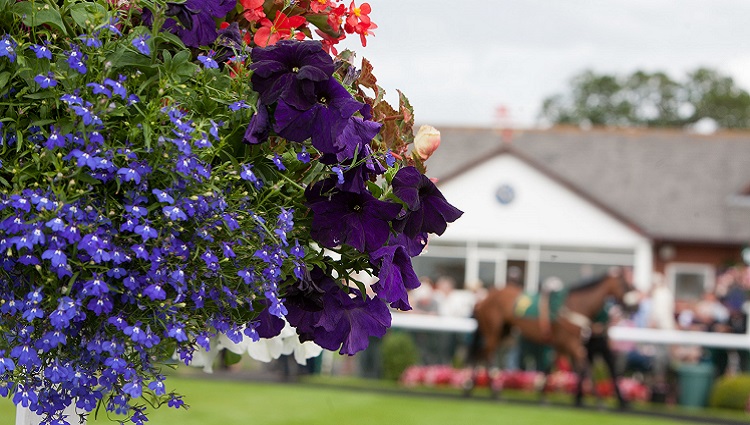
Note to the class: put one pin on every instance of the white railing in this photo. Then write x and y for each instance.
(423, 322)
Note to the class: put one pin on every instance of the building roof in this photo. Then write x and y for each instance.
(668, 184)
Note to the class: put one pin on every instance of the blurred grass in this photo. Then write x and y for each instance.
(324, 402)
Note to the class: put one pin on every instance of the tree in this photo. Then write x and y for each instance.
(644, 99)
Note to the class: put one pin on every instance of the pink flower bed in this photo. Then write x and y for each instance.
(559, 381)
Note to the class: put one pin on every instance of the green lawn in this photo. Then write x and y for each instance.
(221, 402)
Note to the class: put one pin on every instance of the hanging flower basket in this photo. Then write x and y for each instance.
(176, 173)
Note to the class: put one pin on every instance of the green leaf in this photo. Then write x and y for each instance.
(376, 191)
(125, 57)
(86, 178)
(4, 77)
(170, 38)
(44, 94)
(320, 20)
(87, 14)
(231, 358)
(35, 14)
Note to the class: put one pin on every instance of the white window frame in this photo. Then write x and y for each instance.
(707, 270)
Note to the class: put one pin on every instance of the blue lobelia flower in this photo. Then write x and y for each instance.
(90, 40)
(112, 26)
(86, 112)
(8, 47)
(46, 81)
(289, 70)
(208, 61)
(97, 88)
(129, 174)
(141, 44)
(41, 51)
(117, 87)
(77, 59)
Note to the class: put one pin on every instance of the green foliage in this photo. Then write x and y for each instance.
(644, 99)
(399, 352)
(731, 392)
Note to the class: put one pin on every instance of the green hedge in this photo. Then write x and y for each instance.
(731, 392)
(399, 352)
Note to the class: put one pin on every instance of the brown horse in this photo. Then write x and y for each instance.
(496, 316)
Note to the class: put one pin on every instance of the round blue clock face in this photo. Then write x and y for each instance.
(505, 194)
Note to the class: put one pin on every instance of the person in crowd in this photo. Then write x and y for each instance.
(598, 346)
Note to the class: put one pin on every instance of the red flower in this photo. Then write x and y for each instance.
(329, 42)
(253, 10)
(335, 16)
(281, 27)
(358, 21)
(318, 6)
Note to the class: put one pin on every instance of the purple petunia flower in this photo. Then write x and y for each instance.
(428, 210)
(355, 219)
(193, 20)
(259, 127)
(323, 122)
(345, 321)
(354, 140)
(396, 276)
(288, 70)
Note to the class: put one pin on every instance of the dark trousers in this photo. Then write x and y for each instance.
(598, 345)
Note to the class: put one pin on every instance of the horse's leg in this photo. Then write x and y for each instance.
(545, 366)
(578, 356)
(486, 341)
(493, 373)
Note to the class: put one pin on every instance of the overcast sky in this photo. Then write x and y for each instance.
(458, 61)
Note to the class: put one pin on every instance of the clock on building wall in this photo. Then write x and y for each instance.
(505, 194)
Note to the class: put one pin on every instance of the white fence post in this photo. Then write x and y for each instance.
(25, 416)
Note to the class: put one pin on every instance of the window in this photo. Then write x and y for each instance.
(690, 281)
